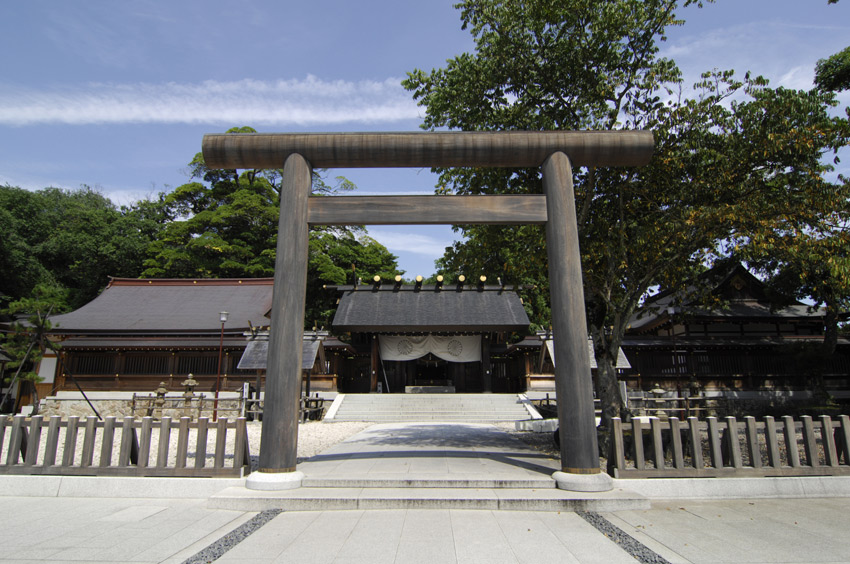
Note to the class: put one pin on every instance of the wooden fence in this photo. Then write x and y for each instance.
(727, 448)
(144, 447)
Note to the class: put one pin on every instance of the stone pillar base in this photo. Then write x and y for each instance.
(273, 481)
(600, 482)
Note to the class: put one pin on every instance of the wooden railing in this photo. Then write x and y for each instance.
(144, 447)
(727, 448)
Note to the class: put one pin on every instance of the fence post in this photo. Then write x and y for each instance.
(696, 443)
(657, 443)
(772, 442)
(52, 444)
(617, 460)
(676, 443)
(15, 440)
(791, 441)
(145, 442)
(830, 454)
(715, 447)
(732, 442)
(810, 445)
(637, 443)
(89, 437)
(843, 439)
(164, 438)
(241, 453)
(2, 435)
(128, 435)
(753, 450)
(70, 441)
(182, 442)
(34, 441)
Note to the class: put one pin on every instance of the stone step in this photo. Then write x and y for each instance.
(467, 408)
(428, 417)
(335, 499)
(378, 480)
(425, 411)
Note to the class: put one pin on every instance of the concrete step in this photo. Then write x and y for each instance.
(467, 408)
(378, 480)
(469, 412)
(514, 499)
(496, 417)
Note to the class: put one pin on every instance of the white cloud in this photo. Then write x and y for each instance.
(309, 101)
(402, 242)
(784, 52)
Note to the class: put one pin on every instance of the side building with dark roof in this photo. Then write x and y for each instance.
(749, 340)
(139, 332)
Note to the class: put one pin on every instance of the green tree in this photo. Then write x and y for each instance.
(26, 340)
(802, 242)
(718, 164)
(333, 253)
(833, 72)
(71, 239)
(544, 65)
(224, 224)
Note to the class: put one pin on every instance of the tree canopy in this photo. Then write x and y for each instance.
(729, 158)
(72, 240)
(224, 224)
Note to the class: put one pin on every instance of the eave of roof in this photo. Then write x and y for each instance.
(151, 306)
(393, 308)
(150, 344)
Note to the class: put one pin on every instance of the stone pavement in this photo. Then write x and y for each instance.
(79, 527)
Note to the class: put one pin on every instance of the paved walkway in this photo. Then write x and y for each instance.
(115, 529)
(436, 451)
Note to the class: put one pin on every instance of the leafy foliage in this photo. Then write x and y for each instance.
(833, 73)
(26, 339)
(224, 224)
(70, 240)
(729, 161)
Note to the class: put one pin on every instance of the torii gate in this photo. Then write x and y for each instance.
(554, 151)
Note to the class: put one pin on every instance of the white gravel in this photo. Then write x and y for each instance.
(313, 436)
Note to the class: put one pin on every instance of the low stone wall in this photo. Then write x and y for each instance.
(120, 404)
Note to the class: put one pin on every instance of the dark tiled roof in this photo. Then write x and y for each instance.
(256, 354)
(744, 297)
(162, 343)
(408, 309)
(169, 305)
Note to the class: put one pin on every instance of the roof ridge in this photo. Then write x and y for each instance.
(190, 282)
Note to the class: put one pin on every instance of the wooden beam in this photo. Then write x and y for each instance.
(428, 149)
(427, 210)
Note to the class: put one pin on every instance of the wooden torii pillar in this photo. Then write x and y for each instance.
(555, 151)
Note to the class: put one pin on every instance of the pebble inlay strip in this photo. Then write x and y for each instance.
(625, 541)
(217, 549)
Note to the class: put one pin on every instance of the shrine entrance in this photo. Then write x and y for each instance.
(554, 151)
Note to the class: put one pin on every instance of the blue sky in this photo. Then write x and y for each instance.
(117, 95)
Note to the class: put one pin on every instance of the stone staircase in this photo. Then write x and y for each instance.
(428, 465)
(465, 408)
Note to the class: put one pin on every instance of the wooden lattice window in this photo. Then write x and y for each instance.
(93, 363)
(146, 364)
(198, 364)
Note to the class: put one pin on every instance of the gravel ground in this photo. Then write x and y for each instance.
(313, 436)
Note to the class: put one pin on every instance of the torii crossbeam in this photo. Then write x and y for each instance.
(554, 151)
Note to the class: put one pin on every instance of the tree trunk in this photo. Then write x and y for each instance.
(605, 351)
(830, 341)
